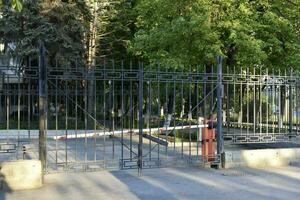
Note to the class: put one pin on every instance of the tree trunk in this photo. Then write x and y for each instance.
(91, 60)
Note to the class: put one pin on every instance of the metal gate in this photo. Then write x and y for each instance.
(132, 115)
(124, 115)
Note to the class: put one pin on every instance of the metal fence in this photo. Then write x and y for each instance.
(260, 106)
(127, 115)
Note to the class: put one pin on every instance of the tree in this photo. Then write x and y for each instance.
(191, 33)
(175, 32)
(115, 28)
(246, 32)
(61, 25)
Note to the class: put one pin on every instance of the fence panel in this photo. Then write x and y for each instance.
(127, 115)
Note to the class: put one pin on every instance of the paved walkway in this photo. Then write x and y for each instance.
(169, 183)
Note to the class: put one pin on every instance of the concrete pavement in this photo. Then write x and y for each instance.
(169, 183)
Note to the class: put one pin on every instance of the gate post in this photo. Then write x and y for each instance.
(141, 122)
(220, 150)
(42, 105)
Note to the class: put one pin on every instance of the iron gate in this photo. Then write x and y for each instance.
(127, 115)
(122, 116)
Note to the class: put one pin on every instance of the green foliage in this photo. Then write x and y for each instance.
(61, 25)
(15, 4)
(115, 27)
(66, 28)
(175, 32)
(247, 33)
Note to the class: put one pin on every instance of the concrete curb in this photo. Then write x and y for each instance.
(262, 157)
(20, 175)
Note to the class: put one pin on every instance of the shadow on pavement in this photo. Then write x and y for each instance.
(4, 187)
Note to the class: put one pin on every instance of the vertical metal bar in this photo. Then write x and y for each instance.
(76, 113)
(104, 118)
(212, 94)
(286, 108)
(234, 98)
(254, 104)
(294, 118)
(241, 105)
(227, 105)
(2, 87)
(267, 104)
(66, 122)
(28, 105)
(290, 105)
(95, 115)
(14, 101)
(204, 112)
(149, 118)
(220, 149)
(182, 113)
(166, 113)
(42, 105)
(19, 105)
(148, 113)
(13, 96)
(174, 112)
(158, 112)
(113, 113)
(247, 100)
(279, 105)
(140, 147)
(85, 117)
(260, 101)
(122, 113)
(297, 107)
(197, 114)
(56, 121)
(273, 103)
(1, 94)
(190, 115)
(23, 101)
(46, 122)
(7, 102)
(131, 114)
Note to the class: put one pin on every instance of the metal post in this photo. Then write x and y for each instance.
(42, 105)
(219, 110)
(140, 146)
(290, 106)
(2, 112)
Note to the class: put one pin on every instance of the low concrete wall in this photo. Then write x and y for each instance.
(262, 157)
(20, 175)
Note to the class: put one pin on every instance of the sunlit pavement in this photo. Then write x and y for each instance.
(169, 183)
